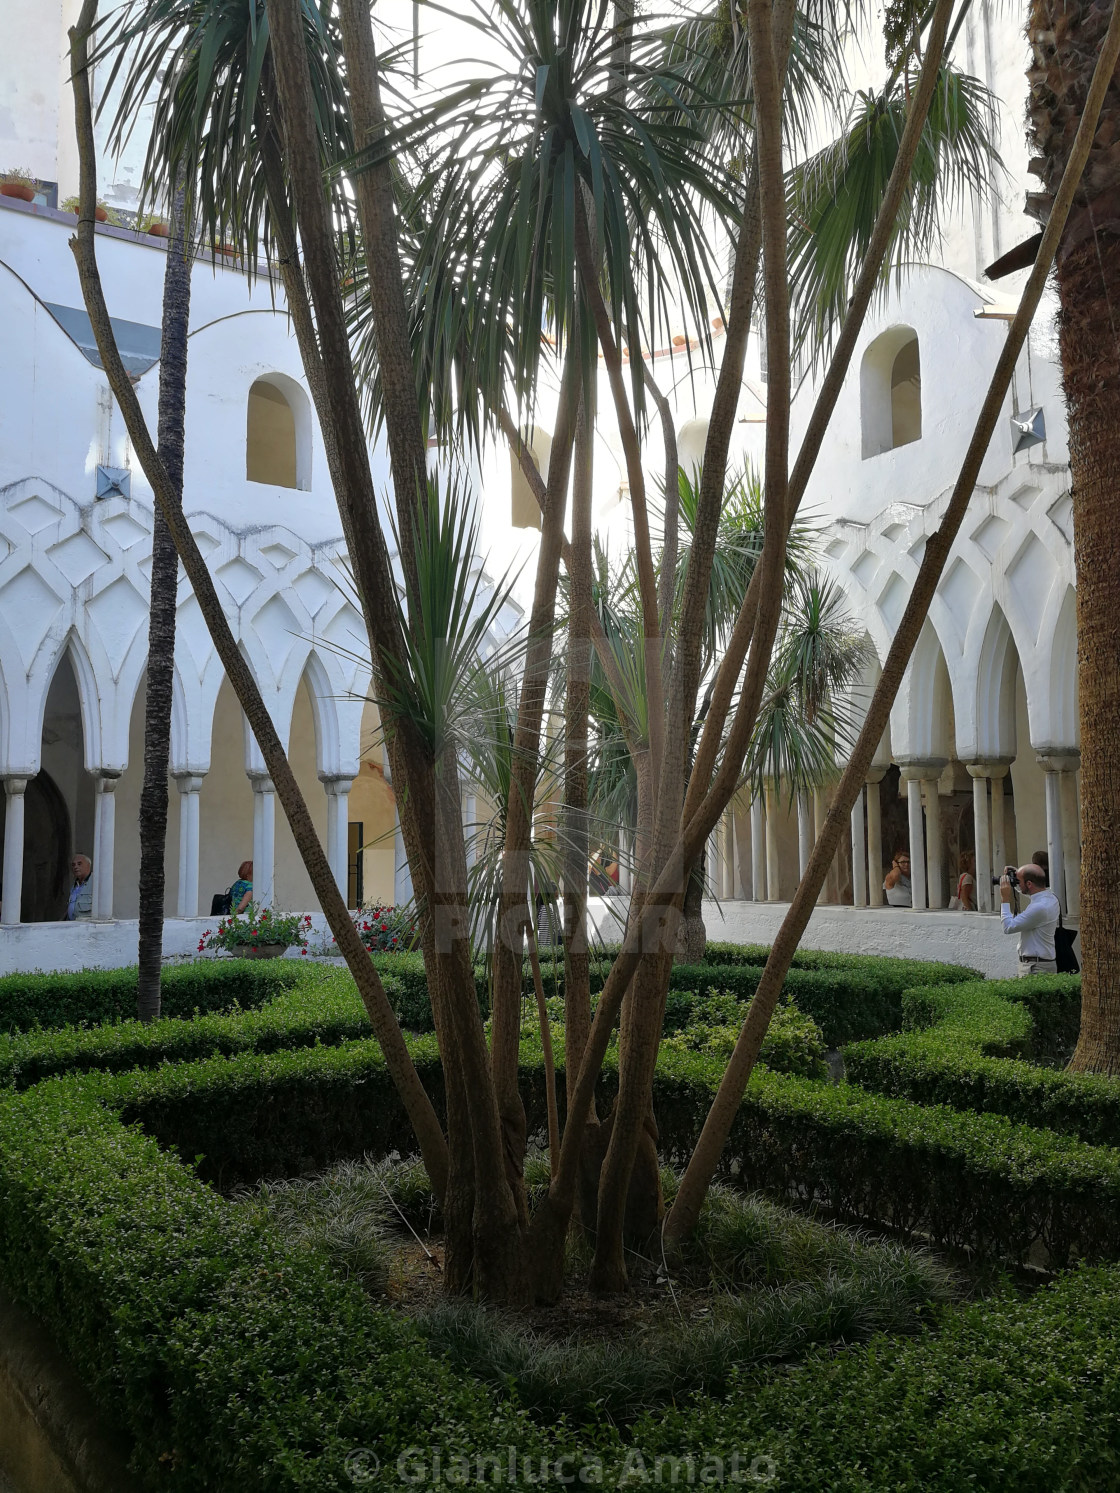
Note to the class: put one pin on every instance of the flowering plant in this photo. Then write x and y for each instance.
(382, 929)
(257, 926)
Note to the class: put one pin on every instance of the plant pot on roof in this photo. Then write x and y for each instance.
(19, 184)
(102, 212)
(151, 224)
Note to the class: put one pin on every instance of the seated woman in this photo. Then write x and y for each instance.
(241, 892)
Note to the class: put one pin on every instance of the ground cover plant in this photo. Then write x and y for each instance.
(756, 1285)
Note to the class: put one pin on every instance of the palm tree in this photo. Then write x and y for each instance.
(573, 182)
(161, 624)
(1067, 39)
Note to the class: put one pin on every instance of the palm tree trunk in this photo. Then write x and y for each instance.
(1067, 39)
(577, 848)
(161, 623)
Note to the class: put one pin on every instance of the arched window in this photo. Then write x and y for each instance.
(891, 392)
(278, 433)
(525, 511)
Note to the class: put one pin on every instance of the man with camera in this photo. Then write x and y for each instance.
(1035, 925)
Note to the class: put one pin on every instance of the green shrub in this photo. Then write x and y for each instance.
(793, 1041)
(232, 1360)
(1013, 1394)
(951, 1058)
(324, 1007)
(93, 996)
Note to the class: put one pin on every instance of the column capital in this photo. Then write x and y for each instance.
(261, 782)
(105, 779)
(921, 769)
(336, 782)
(877, 772)
(989, 767)
(1066, 759)
(15, 785)
(188, 782)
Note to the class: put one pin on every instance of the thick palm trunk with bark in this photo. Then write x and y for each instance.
(161, 616)
(1067, 40)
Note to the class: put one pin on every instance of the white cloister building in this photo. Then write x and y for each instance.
(982, 748)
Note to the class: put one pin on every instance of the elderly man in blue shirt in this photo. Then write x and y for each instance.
(80, 904)
(1036, 923)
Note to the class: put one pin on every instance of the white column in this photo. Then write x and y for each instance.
(982, 833)
(338, 827)
(758, 850)
(917, 841)
(935, 879)
(875, 837)
(470, 826)
(713, 882)
(1052, 779)
(742, 830)
(264, 840)
(104, 842)
(996, 775)
(727, 891)
(859, 854)
(12, 890)
(804, 832)
(189, 786)
(626, 864)
(773, 889)
(820, 809)
(1071, 836)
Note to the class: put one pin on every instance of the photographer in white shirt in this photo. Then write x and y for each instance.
(1035, 925)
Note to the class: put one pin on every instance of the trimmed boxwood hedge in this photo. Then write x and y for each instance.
(92, 996)
(849, 996)
(231, 1361)
(967, 1181)
(965, 1056)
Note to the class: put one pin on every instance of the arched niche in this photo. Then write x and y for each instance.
(278, 433)
(890, 389)
(525, 511)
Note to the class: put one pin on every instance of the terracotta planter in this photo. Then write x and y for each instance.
(262, 951)
(101, 214)
(158, 230)
(18, 189)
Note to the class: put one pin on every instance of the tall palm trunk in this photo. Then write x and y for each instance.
(1067, 39)
(161, 617)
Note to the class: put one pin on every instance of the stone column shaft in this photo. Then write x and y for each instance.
(105, 843)
(859, 855)
(189, 787)
(874, 841)
(773, 891)
(804, 832)
(338, 830)
(1054, 835)
(264, 841)
(982, 833)
(917, 843)
(758, 850)
(12, 890)
(935, 879)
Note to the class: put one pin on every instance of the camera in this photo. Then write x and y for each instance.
(1012, 876)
